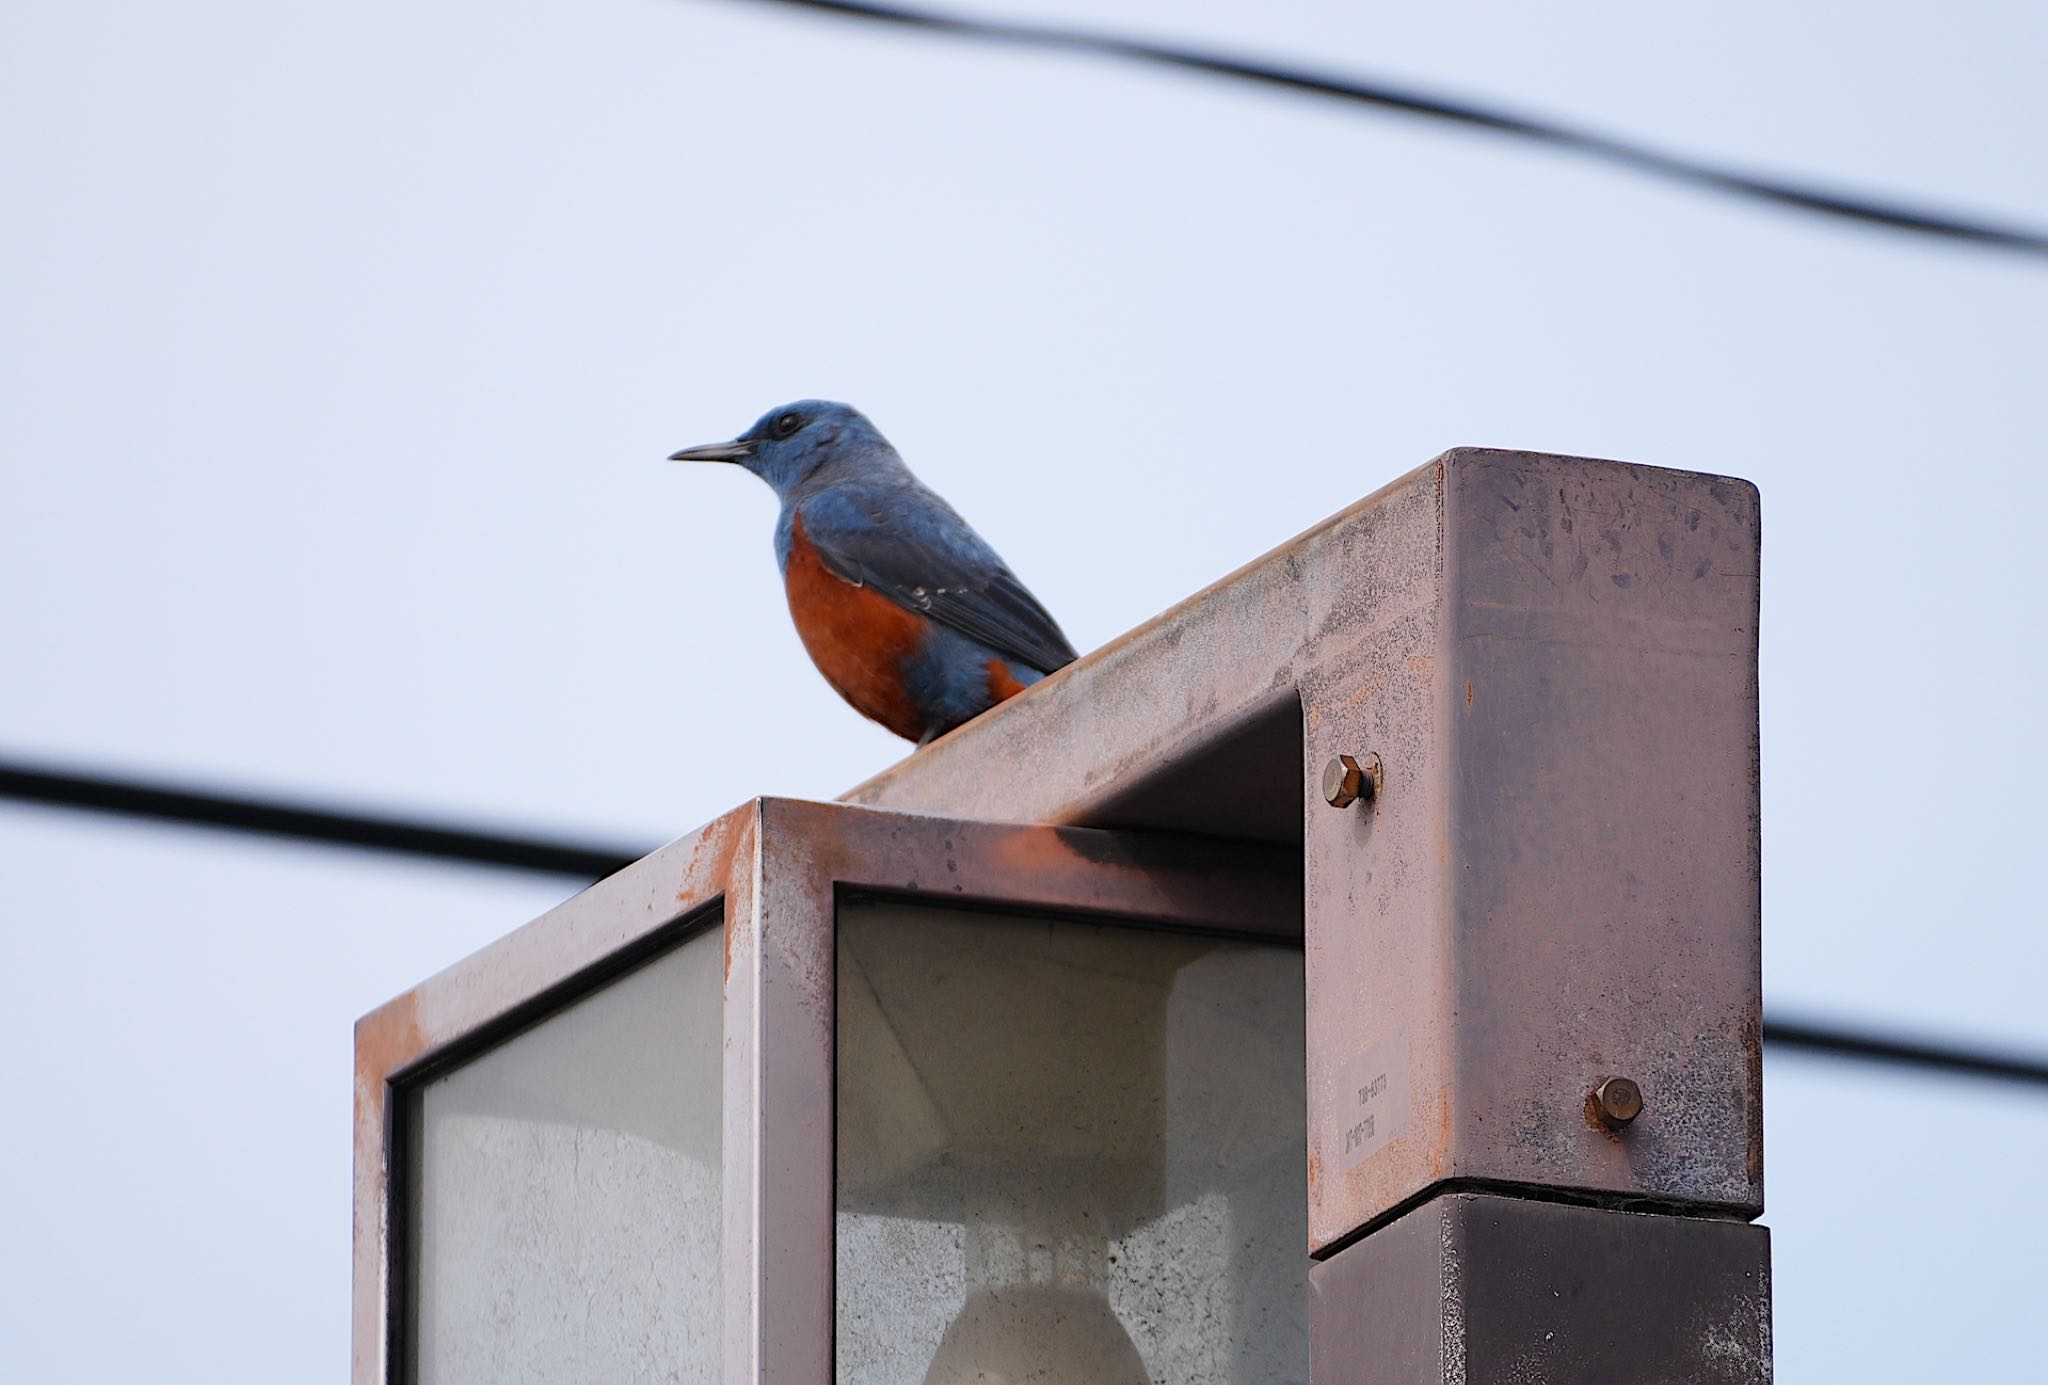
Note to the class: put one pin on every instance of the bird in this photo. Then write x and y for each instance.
(908, 613)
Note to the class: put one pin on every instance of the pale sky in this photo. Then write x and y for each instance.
(343, 344)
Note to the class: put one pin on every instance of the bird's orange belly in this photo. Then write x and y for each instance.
(859, 639)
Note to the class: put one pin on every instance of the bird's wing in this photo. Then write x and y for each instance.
(912, 547)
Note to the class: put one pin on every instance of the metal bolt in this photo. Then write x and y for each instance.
(1346, 781)
(1615, 1102)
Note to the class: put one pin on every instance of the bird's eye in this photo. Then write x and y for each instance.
(786, 425)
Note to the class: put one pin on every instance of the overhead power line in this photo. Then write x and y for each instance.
(1891, 1049)
(1624, 153)
(166, 803)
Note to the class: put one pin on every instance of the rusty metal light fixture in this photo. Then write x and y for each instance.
(1137, 1031)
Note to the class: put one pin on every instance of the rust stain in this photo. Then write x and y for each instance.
(713, 868)
(710, 869)
(1367, 689)
(1753, 1053)
(741, 830)
(1441, 1159)
(1593, 1118)
(1041, 852)
(1315, 1172)
(386, 1040)
(1468, 693)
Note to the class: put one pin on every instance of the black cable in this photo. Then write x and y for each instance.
(161, 803)
(1918, 1053)
(1640, 158)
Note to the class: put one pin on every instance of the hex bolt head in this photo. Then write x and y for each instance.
(1346, 781)
(1615, 1102)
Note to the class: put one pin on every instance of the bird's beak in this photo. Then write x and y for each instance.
(715, 452)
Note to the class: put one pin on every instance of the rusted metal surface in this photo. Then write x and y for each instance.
(1555, 659)
(1471, 1288)
(776, 867)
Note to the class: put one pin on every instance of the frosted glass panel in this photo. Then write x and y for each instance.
(566, 1191)
(1067, 1153)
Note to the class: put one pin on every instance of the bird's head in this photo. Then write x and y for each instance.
(801, 442)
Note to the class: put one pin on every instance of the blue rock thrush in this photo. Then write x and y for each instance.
(907, 612)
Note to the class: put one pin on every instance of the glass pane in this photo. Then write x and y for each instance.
(1068, 1153)
(566, 1190)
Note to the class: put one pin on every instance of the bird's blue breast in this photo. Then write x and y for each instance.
(952, 677)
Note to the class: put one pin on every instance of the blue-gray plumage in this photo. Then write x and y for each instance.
(907, 611)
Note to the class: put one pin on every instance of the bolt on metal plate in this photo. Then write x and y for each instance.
(1615, 1102)
(1347, 780)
